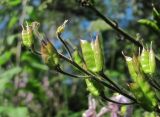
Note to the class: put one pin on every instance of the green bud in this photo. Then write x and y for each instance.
(49, 54)
(60, 29)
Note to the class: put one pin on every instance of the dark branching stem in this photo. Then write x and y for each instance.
(114, 26)
(114, 89)
(154, 84)
(73, 63)
(157, 109)
(33, 50)
(65, 45)
(158, 85)
(151, 82)
(58, 69)
(110, 81)
(96, 79)
(110, 100)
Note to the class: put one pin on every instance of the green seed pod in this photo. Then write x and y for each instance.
(98, 54)
(93, 87)
(141, 97)
(144, 60)
(140, 87)
(27, 36)
(49, 54)
(147, 60)
(77, 58)
(88, 55)
(144, 93)
(93, 55)
(152, 61)
(131, 67)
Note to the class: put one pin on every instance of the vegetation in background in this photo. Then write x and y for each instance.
(31, 88)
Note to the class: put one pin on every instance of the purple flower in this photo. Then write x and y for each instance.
(112, 108)
(91, 111)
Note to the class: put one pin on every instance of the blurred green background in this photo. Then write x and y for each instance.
(28, 88)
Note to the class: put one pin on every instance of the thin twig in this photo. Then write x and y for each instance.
(65, 45)
(114, 26)
(69, 74)
(95, 77)
(110, 81)
(34, 51)
(114, 89)
(110, 100)
(157, 85)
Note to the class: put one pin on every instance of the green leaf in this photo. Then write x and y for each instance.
(27, 57)
(88, 55)
(36, 88)
(12, 22)
(156, 16)
(6, 76)
(39, 66)
(14, 112)
(149, 23)
(11, 38)
(29, 9)
(14, 2)
(98, 25)
(10, 72)
(5, 57)
(75, 114)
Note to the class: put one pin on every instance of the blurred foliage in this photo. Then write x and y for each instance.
(29, 89)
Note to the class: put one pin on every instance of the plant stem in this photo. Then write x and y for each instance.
(110, 81)
(33, 50)
(114, 26)
(65, 45)
(114, 89)
(58, 69)
(110, 100)
(95, 77)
